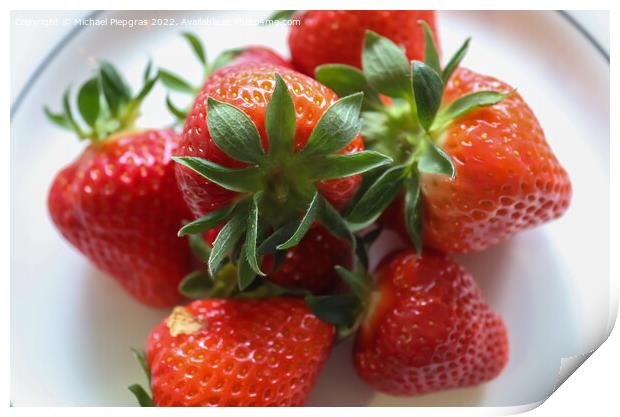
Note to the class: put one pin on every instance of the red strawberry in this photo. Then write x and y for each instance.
(270, 151)
(237, 353)
(337, 36)
(118, 202)
(507, 177)
(470, 159)
(428, 328)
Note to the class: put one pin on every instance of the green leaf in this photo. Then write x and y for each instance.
(413, 211)
(435, 160)
(377, 197)
(280, 121)
(304, 224)
(88, 101)
(466, 104)
(281, 15)
(336, 128)
(196, 46)
(176, 83)
(58, 119)
(245, 272)
(329, 217)
(147, 71)
(385, 66)
(227, 239)
(337, 309)
(427, 89)
(176, 112)
(144, 399)
(207, 222)
(431, 57)
(225, 58)
(345, 80)
(199, 247)
(141, 358)
(115, 89)
(240, 180)
(234, 132)
(196, 285)
(281, 235)
(357, 281)
(69, 114)
(340, 166)
(454, 61)
(251, 235)
(146, 89)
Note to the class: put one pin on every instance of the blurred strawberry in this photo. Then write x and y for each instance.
(118, 202)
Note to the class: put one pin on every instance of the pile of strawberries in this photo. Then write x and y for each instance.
(264, 207)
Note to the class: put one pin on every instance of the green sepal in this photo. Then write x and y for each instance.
(196, 46)
(345, 165)
(356, 280)
(304, 224)
(363, 245)
(246, 274)
(251, 236)
(280, 15)
(199, 247)
(341, 310)
(336, 128)
(234, 132)
(66, 106)
(196, 285)
(207, 222)
(140, 356)
(280, 121)
(376, 198)
(225, 58)
(329, 217)
(59, 119)
(239, 180)
(431, 57)
(454, 62)
(176, 83)
(385, 66)
(143, 397)
(227, 239)
(179, 114)
(345, 80)
(413, 210)
(466, 104)
(279, 236)
(434, 160)
(115, 90)
(146, 74)
(268, 289)
(427, 90)
(89, 101)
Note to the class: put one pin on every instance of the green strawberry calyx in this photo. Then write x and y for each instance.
(278, 200)
(175, 83)
(409, 129)
(143, 397)
(105, 103)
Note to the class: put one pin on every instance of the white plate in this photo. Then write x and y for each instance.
(71, 326)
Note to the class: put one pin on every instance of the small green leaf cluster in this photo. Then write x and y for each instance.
(105, 104)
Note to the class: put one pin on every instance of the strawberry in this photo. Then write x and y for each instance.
(471, 162)
(428, 328)
(229, 57)
(118, 202)
(233, 352)
(337, 36)
(269, 152)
